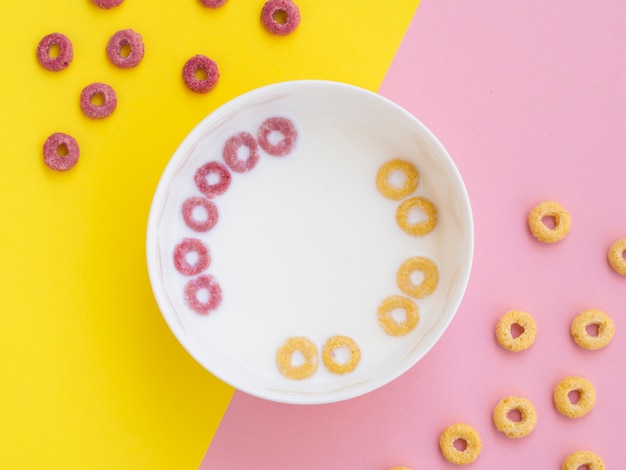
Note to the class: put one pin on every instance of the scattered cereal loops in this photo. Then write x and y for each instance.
(330, 349)
(583, 458)
(98, 100)
(386, 181)
(616, 256)
(463, 432)
(60, 151)
(592, 317)
(208, 170)
(586, 397)
(125, 49)
(233, 147)
(279, 127)
(200, 74)
(184, 250)
(280, 17)
(51, 43)
(213, 3)
(429, 283)
(285, 360)
(549, 209)
(403, 216)
(107, 4)
(199, 224)
(392, 326)
(505, 337)
(197, 286)
(510, 427)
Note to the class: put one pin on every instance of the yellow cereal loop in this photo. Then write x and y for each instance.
(592, 317)
(525, 339)
(328, 356)
(541, 231)
(582, 458)
(284, 358)
(431, 277)
(616, 256)
(389, 324)
(417, 228)
(511, 428)
(586, 397)
(466, 433)
(405, 187)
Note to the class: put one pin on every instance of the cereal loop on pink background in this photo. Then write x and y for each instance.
(195, 287)
(55, 42)
(191, 248)
(60, 151)
(208, 219)
(206, 173)
(277, 136)
(243, 141)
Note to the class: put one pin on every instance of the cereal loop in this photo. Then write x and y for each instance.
(108, 4)
(125, 49)
(511, 428)
(65, 52)
(285, 129)
(232, 149)
(196, 286)
(207, 170)
(213, 3)
(586, 397)
(90, 97)
(389, 324)
(583, 458)
(187, 247)
(284, 358)
(339, 342)
(280, 17)
(428, 284)
(385, 179)
(523, 320)
(616, 256)
(403, 216)
(592, 317)
(200, 74)
(199, 224)
(60, 151)
(541, 231)
(400, 468)
(466, 433)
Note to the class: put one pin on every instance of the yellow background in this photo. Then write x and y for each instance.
(90, 376)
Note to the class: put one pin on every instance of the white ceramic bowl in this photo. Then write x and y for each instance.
(305, 244)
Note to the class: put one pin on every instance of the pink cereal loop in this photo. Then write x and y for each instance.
(191, 245)
(213, 3)
(107, 4)
(211, 190)
(282, 126)
(109, 101)
(117, 42)
(194, 286)
(60, 151)
(200, 225)
(280, 17)
(66, 52)
(200, 63)
(231, 156)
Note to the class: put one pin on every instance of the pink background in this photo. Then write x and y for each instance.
(530, 100)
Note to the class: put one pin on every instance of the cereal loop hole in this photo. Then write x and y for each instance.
(97, 99)
(417, 277)
(517, 330)
(125, 50)
(549, 221)
(297, 359)
(62, 150)
(574, 396)
(515, 415)
(54, 51)
(460, 445)
(592, 329)
(200, 73)
(280, 16)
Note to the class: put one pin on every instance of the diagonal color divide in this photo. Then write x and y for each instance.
(91, 376)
